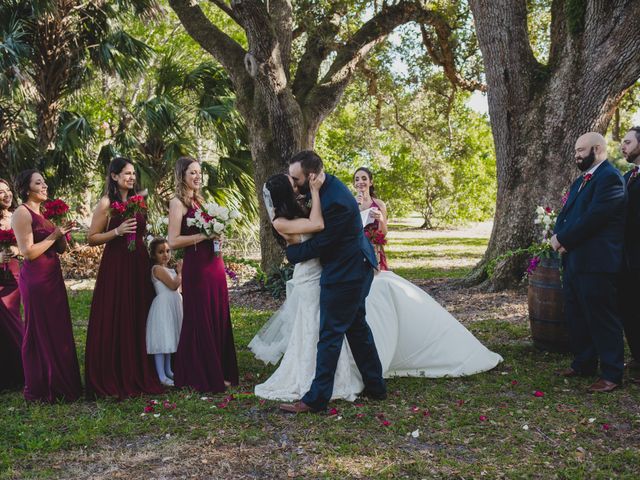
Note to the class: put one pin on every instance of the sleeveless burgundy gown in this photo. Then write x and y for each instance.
(11, 327)
(51, 371)
(206, 355)
(116, 360)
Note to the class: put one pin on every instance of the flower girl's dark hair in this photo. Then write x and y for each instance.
(284, 201)
(155, 243)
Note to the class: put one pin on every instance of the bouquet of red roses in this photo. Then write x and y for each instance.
(375, 236)
(57, 212)
(7, 240)
(130, 209)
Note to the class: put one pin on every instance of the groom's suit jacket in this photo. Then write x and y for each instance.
(341, 246)
(591, 223)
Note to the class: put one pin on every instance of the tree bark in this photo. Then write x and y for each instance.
(538, 111)
(283, 115)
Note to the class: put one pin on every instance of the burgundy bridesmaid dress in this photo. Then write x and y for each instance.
(116, 360)
(51, 371)
(11, 327)
(206, 355)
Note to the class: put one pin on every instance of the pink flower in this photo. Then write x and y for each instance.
(547, 209)
(358, 404)
(483, 418)
(168, 405)
(148, 409)
(538, 393)
(333, 411)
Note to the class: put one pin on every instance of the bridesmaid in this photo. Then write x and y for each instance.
(116, 360)
(206, 356)
(11, 326)
(365, 194)
(51, 371)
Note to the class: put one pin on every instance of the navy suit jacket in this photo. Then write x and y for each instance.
(632, 228)
(591, 224)
(341, 246)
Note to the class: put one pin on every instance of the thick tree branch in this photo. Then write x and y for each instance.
(282, 17)
(222, 47)
(324, 96)
(226, 9)
(442, 53)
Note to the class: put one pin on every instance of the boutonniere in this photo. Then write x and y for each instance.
(587, 177)
(308, 204)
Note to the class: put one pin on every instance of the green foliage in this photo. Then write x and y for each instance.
(276, 282)
(575, 11)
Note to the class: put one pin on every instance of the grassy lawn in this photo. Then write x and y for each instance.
(490, 425)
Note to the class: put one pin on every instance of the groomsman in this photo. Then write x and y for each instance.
(590, 233)
(630, 278)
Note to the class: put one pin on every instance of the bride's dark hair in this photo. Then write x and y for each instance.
(284, 201)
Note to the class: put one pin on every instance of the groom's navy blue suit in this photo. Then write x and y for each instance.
(348, 261)
(591, 228)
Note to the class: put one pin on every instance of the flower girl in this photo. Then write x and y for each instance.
(165, 316)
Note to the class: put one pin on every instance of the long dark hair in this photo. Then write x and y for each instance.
(14, 204)
(23, 183)
(372, 190)
(284, 201)
(111, 186)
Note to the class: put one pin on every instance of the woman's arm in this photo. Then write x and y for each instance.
(21, 224)
(315, 222)
(99, 222)
(382, 218)
(164, 276)
(176, 212)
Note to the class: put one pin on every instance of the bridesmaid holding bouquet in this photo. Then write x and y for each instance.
(116, 360)
(51, 371)
(206, 356)
(11, 326)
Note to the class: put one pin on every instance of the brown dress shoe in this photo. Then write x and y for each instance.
(570, 372)
(602, 385)
(297, 407)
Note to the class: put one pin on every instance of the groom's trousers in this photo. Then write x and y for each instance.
(342, 312)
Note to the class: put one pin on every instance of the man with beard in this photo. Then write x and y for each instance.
(630, 278)
(589, 232)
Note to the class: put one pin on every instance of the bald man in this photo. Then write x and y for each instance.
(590, 233)
(630, 279)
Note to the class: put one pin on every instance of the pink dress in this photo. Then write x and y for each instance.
(51, 371)
(116, 360)
(206, 355)
(11, 327)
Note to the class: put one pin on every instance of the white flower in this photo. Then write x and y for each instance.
(191, 222)
(218, 227)
(165, 220)
(234, 214)
(223, 214)
(540, 210)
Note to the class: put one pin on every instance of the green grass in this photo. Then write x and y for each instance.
(559, 435)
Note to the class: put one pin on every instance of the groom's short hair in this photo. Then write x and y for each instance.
(309, 160)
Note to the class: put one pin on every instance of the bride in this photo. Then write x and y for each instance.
(414, 335)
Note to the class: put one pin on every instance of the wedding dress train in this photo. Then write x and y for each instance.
(414, 335)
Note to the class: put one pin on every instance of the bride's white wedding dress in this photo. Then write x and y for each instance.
(414, 335)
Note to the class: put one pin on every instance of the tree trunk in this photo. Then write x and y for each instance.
(538, 111)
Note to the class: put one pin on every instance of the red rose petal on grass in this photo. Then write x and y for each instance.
(460, 403)
(386, 423)
(483, 418)
(415, 409)
(358, 404)
(514, 382)
(359, 415)
(333, 411)
(168, 405)
(538, 393)
(148, 409)
(262, 402)
(222, 405)
(426, 413)
(606, 426)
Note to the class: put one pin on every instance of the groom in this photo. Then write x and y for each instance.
(348, 261)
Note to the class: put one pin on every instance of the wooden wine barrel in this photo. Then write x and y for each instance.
(546, 307)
